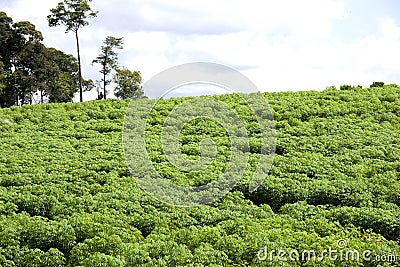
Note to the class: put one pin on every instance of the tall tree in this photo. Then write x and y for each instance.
(128, 84)
(73, 14)
(3, 76)
(108, 59)
(20, 46)
(28, 59)
(28, 62)
(45, 74)
(6, 37)
(6, 40)
(29, 71)
(65, 81)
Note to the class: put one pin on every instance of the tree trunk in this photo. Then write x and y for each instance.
(104, 84)
(79, 68)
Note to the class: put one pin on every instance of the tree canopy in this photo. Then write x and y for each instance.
(29, 71)
(108, 59)
(73, 14)
(128, 84)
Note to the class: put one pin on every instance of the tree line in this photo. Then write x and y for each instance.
(32, 73)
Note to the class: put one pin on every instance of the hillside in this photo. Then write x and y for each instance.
(67, 197)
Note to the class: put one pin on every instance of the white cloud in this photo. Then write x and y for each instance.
(219, 17)
(279, 45)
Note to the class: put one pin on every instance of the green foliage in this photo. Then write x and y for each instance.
(108, 59)
(346, 87)
(377, 84)
(3, 76)
(29, 71)
(66, 83)
(20, 43)
(128, 84)
(73, 14)
(67, 197)
(6, 40)
(332, 87)
(350, 87)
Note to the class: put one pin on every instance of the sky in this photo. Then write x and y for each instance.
(280, 45)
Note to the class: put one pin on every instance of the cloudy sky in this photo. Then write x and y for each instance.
(279, 45)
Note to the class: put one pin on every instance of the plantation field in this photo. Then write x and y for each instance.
(67, 196)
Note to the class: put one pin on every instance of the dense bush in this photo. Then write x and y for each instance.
(67, 197)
